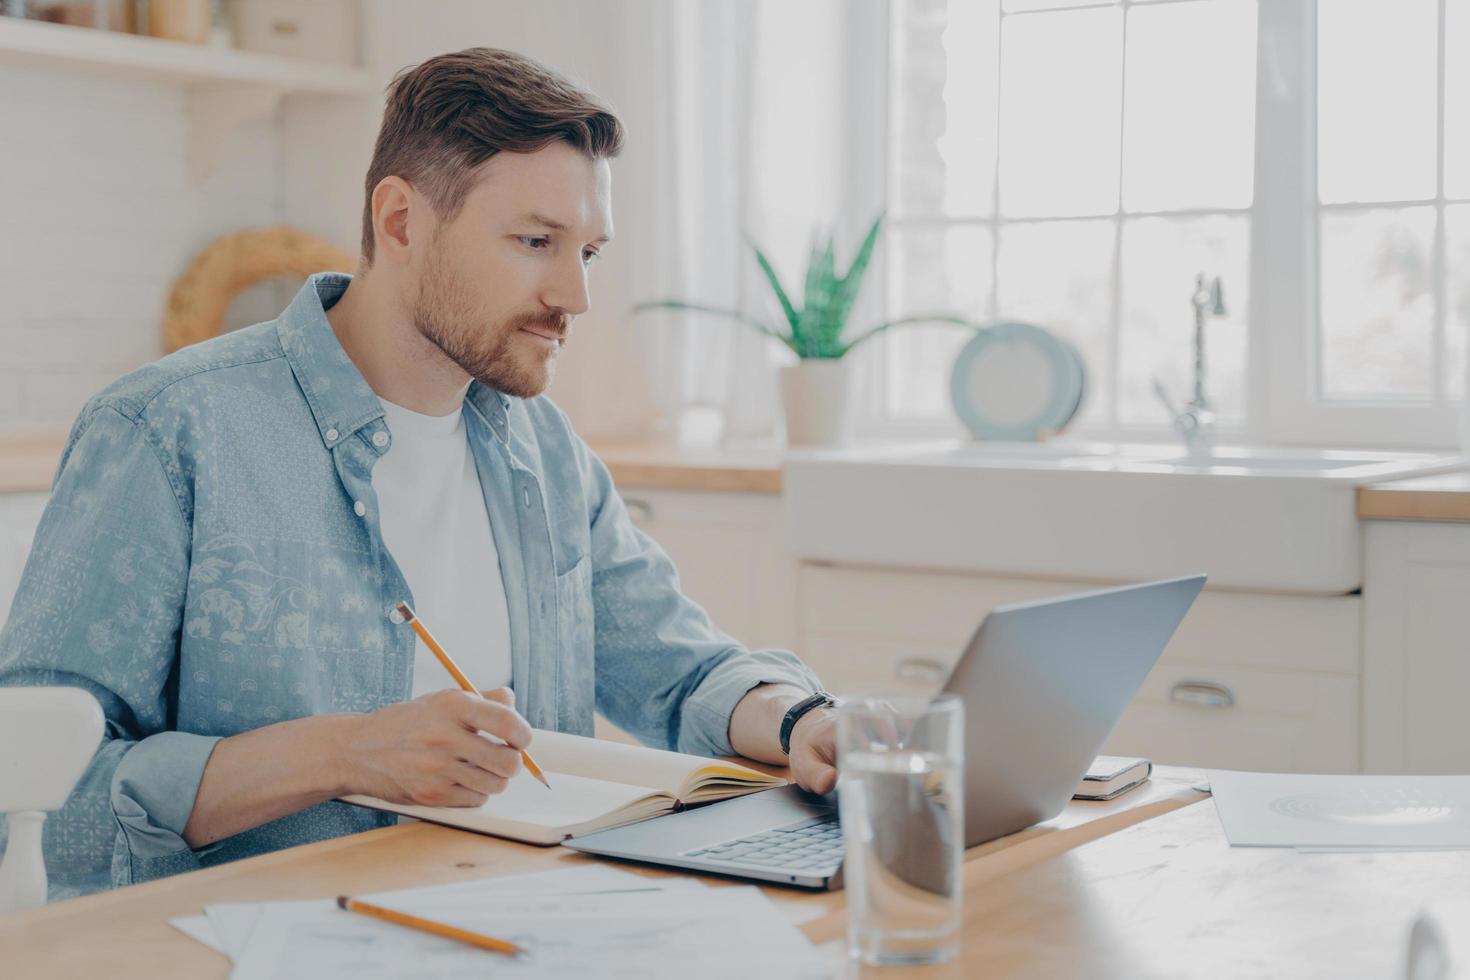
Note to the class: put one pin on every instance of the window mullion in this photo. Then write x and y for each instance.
(867, 27)
(1115, 312)
(1441, 290)
(994, 222)
(1281, 387)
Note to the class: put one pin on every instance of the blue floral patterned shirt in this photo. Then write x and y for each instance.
(211, 562)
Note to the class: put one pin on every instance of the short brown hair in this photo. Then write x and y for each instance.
(450, 114)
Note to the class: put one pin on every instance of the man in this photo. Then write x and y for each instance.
(231, 527)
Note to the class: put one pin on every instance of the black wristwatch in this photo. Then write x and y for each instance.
(819, 700)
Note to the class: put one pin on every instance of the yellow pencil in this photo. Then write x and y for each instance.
(428, 925)
(459, 677)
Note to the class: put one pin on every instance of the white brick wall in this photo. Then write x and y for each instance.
(100, 217)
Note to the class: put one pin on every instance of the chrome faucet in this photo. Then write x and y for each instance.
(1196, 422)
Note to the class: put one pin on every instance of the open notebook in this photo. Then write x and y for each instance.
(595, 785)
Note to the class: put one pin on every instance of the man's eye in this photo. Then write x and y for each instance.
(534, 242)
(590, 255)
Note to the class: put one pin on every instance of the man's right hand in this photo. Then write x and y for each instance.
(429, 751)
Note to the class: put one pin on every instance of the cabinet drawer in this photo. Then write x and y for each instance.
(730, 558)
(1245, 629)
(852, 666)
(1184, 714)
(1235, 718)
(934, 607)
(1272, 631)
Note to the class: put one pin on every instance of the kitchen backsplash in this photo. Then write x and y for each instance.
(100, 217)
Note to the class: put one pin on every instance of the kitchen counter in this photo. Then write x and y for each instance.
(754, 469)
(27, 463)
(1444, 497)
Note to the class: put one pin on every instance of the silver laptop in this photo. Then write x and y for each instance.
(1043, 684)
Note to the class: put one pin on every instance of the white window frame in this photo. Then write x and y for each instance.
(1283, 368)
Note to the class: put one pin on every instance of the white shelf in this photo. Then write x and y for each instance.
(116, 55)
(225, 87)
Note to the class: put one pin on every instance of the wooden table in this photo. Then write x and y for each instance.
(1170, 898)
(125, 933)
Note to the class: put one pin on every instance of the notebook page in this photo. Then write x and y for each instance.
(671, 772)
(526, 806)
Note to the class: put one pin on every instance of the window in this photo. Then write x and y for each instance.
(1077, 163)
(1394, 252)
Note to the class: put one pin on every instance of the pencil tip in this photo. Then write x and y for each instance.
(342, 901)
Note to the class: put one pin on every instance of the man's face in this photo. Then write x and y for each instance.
(499, 285)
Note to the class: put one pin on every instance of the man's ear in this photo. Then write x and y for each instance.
(393, 200)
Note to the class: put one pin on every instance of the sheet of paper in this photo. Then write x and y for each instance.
(226, 926)
(674, 933)
(199, 929)
(580, 879)
(1353, 812)
(233, 922)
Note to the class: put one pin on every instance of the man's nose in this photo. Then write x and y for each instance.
(568, 291)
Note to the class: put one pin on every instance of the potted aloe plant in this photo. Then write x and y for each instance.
(816, 391)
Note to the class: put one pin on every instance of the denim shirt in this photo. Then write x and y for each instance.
(211, 562)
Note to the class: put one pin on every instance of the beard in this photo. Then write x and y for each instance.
(491, 353)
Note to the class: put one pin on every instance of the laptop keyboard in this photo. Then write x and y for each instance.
(813, 846)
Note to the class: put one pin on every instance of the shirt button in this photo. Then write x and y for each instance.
(359, 508)
(526, 493)
(395, 617)
(380, 439)
(331, 435)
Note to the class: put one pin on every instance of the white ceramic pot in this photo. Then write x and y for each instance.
(817, 398)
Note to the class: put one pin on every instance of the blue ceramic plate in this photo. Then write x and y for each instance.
(1016, 382)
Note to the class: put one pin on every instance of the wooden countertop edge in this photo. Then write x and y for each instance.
(28, 464)
(1388, 504)
(730, 478)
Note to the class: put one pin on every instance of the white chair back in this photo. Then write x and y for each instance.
(48, 736)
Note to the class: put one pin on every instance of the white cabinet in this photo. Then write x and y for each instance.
(1416, 647)
(19, 514)
(731, 557)
(1250, 680)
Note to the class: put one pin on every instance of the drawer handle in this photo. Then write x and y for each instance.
(920, 670)
(638, 510)
(1203, 693)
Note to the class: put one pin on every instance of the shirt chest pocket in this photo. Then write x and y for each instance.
(576, 646)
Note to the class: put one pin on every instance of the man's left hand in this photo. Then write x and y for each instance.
(814, 750)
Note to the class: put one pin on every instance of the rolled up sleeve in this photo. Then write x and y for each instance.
(707, 711)
(153, 791)
(98, 607)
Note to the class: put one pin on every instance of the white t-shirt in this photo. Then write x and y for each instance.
(436, 527)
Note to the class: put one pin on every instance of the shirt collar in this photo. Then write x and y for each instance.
(340, 398)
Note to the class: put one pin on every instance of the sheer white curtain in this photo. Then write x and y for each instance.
(735, 119)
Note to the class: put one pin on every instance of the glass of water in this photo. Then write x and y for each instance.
(902, 798)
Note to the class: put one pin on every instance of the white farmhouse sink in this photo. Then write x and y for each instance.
(1252, 518)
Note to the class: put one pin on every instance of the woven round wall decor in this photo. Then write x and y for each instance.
(200, 298)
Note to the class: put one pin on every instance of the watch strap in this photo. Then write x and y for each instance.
(820, 699)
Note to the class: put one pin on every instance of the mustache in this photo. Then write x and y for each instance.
(555, 323)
